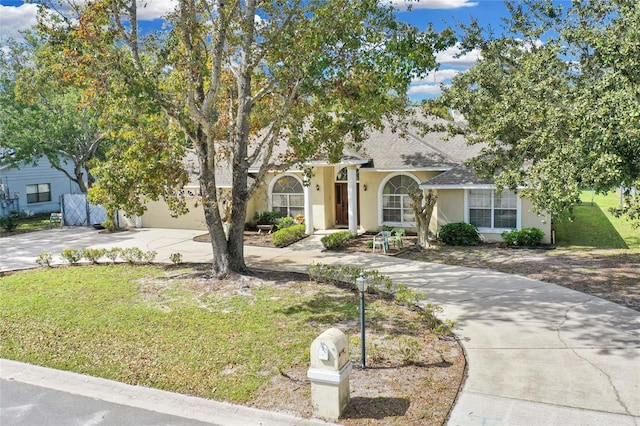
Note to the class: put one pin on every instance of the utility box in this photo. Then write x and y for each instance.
(329, 374)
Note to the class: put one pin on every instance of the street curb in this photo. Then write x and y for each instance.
(175, 404)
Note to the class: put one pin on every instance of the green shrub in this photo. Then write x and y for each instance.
(113, 253)
(93, 255)
(459, 234)
(176, 258)
(382, 284)
(335, 240)
(72, 256)
(8, 223)
(132, 255)
(289, 235)
(266, 218)
(285, 222)
(148, 256)
(523, 237)
(44, 259)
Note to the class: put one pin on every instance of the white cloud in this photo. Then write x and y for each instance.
(438, 76)
(451, 57)
(426, 90)
(432, 4)
(13, 19)
(149, 10)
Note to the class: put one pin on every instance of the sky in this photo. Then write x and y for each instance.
(16, 15)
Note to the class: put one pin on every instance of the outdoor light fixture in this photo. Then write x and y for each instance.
(364, 186)
(362, 284)
(317, 187)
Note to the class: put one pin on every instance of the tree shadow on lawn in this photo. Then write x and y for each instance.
(344, 311)
(590, 228)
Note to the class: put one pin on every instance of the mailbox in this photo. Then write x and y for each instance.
(329, 374)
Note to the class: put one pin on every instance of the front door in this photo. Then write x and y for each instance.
(342, 204)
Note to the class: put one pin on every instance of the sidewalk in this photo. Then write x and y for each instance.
(539, 354)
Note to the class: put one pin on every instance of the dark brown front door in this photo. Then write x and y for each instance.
(342, 204)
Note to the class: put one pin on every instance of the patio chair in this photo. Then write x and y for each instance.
(381, 239)
(55, 219)
(398, 233)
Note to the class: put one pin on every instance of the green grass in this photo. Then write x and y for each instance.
(29, 224)
(593, 226)
(144, 325)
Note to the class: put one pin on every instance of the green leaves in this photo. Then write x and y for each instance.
(555, 99)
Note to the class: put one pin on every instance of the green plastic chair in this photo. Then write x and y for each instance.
(381, 239)
(396, 239)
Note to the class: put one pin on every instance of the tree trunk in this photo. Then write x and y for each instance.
(423, 210)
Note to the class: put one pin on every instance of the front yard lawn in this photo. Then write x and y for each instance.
(245, 340)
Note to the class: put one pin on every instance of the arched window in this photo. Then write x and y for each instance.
(396, 203)
(287, 197)
(342, 175)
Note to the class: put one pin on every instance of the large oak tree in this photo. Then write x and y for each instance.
(239, 77)
(556, 99)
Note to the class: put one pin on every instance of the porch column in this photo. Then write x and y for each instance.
(308, 210)
(352, 198)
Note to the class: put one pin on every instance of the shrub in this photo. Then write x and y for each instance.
(287, 236)
(113, 253)
(382, 284)
(285, 222)
(335, 240)
(132, 254)
(523, 237)
(92, 255)
(149, 256)
(8, 223)
(72, 256)
(175, 258)
(44, 259)
(266, 218)
(459, 234)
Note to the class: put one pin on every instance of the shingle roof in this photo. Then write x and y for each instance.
(457, 177)
(397, 150)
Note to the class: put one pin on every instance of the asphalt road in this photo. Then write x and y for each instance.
(24, 404)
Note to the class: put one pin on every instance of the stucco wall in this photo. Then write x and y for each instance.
(532, 220)
(158, 216)
(450, 209)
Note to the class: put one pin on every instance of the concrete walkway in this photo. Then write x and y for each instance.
(539, 354)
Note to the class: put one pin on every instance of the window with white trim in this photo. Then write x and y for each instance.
(287, 197)
(38, 193)
(396, 203)
(488, 209)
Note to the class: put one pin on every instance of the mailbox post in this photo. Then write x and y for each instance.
(329, 374)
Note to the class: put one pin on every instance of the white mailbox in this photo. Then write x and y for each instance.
(329, 374)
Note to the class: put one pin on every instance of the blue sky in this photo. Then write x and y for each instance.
(16, 15)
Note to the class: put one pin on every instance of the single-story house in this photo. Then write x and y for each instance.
(369, 189)
(30, 188)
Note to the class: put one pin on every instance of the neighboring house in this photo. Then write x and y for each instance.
(33, 189)
(369, 189)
